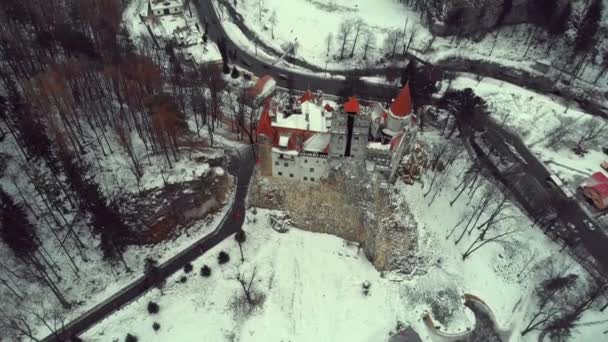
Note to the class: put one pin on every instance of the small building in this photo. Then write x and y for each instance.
(164, 7)
(595, 188)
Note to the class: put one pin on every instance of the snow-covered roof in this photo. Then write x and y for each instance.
(285, 152)
(163, 4)
(317, 121)
(378, 146)
(317, 143)
(263, 87)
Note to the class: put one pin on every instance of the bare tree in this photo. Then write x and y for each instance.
(369, 42)
(328, 41)
(592, 129)
(552, 295)
(346, 28)
(240, 237)
(273, 20)
(250, 294)
(391, 42)
(359, 25)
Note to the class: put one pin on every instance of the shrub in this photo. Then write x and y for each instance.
(183, 279)
(153, 308)
(223, 258)
(155, 326)
(205, 271)
(235, 72)
(188, 268)
(131, 338)
(240, 236)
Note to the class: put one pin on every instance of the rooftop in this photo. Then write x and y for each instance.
(162, 4)
(317, 143)
(318, 121)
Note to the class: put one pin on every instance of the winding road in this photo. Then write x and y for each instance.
(241, 166)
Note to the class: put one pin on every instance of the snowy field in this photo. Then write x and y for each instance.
(536, 117)
(312, 290)
(281, 23)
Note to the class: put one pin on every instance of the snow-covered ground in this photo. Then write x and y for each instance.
(182, 27)
(312, 282)
(307, 24)
(96, 279)
(535, 117)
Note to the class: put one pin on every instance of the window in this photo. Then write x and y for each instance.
(312, 169)
(305, 178)
(280, 173)
(356, 137)
(276, 163)
(281, 156)
(291, 175)
(285, 164)
(340, 138)
(305, 161)
(312, 179)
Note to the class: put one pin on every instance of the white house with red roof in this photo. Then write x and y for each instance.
(163, 7)
(595, 188)
(301, 145)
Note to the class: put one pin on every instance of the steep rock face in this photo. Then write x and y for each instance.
(449, 17)
(352, 205)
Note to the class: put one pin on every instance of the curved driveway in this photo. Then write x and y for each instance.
(242, 168)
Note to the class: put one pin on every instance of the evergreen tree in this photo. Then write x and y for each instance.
(235, 72)
(15, 228)
(106, 220)
(586, 33)
(560, 24)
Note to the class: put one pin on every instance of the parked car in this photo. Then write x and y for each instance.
(283, 76)
(247, 76)
(245, 63)
(589, 224)
(554, 182)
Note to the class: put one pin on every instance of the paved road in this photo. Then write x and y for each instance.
(528, 179)
(241, 165)
(301, 81)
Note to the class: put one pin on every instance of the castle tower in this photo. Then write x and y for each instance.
(265, 136)
(399, 110)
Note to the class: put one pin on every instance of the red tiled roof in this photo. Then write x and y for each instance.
(395, 141)
(265, 124)
(402, 105)
(328, 108)
(601, 189)
(600, 177)
(352, 105)
(306, 97)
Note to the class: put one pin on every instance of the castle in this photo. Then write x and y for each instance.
(303, 144)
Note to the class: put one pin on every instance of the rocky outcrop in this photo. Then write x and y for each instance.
(351, 204)
(465, 17)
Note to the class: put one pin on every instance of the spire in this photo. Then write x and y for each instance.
(265, 124)
(352, 105)
(402, 106)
